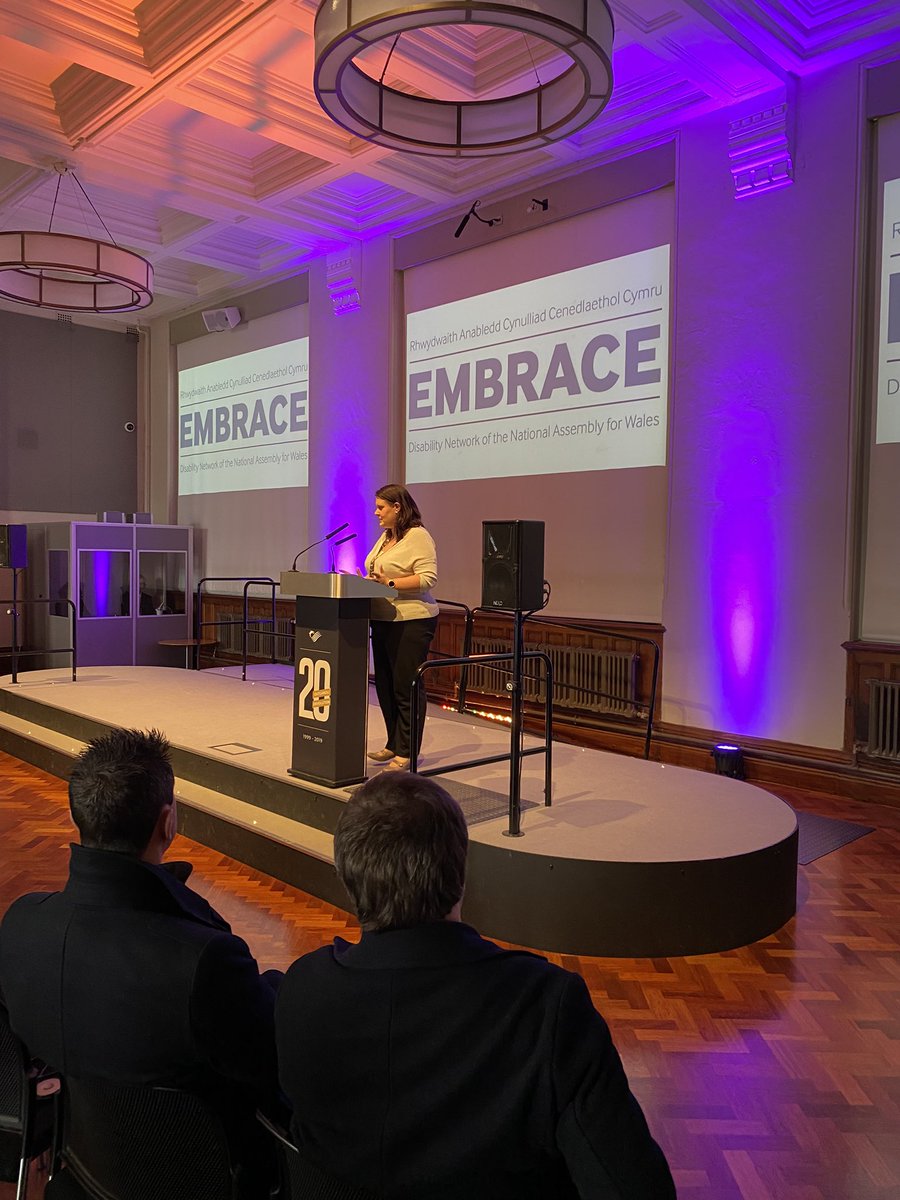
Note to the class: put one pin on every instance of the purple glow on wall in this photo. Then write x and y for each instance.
(96, 570)
(743, 627)
(350, 359)
(741, 614)
(347, 501)
(349, 559)
(742, 564)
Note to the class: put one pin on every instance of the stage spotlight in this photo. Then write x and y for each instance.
(729, 760)
(498, 220)
(464, 222)
(536, 205)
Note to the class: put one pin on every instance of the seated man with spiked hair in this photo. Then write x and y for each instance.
(426, 1063)
(127, 974)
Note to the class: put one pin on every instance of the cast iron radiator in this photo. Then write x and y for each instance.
(259, 646)
(598, 681)
(884, 718)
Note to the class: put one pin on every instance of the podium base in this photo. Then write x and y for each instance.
(329, 783)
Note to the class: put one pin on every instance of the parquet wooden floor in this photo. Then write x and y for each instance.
(771, 1072)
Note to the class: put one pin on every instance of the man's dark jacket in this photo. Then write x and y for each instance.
(430, 1063)
(129, 975)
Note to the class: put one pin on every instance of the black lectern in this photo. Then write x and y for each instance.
(331, 670)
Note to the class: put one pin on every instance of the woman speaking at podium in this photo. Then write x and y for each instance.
(404, 558)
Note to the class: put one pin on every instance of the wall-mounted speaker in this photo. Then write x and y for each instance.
(13, 552)
(218, 320)
(512, 565)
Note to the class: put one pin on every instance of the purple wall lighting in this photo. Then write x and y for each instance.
(96, 573)
(350, 503)
(742, 579)
(349, 429)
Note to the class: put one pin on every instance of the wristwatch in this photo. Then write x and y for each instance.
(391, 583)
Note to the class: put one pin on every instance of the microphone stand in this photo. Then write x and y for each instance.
(312, 545)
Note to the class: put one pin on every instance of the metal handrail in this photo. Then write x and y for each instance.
(248, 581)
(261, 621)
(560, 623)
(546, 749)
(466, 650)
(16, 653)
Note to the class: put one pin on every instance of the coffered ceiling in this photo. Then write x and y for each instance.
(193, 126)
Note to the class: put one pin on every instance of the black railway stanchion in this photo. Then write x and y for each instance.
(514, 687)
(517, 752)
(16, 654)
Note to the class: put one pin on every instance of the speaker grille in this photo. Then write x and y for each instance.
(498, 584)
(512, 575)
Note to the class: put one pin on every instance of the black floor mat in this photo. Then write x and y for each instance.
(821, 835)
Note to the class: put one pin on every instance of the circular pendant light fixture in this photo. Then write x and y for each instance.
(71, 273)
(581, 30)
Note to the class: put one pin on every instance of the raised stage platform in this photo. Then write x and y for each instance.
(633, 858)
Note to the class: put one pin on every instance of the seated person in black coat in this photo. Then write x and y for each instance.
(129, 975)
(426, 1063)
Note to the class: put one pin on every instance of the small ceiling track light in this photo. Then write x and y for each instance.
(498, 220)
(543, 205)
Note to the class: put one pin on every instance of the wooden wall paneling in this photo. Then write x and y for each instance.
(866, 661)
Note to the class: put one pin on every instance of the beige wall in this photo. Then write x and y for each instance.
(757, 563)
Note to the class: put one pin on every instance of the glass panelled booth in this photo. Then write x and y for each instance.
(131, 585)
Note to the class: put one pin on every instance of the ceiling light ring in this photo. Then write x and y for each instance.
(572, 41)
(449, 12)
(86, 288)
(362, 104)
(472, 105)
(98, 287)
(587, 109)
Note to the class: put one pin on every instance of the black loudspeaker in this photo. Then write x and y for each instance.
(12, 547)
(512, 565)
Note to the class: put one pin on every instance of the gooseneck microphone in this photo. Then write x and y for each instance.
(326, 538)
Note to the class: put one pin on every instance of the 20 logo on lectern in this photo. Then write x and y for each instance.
(314, 698)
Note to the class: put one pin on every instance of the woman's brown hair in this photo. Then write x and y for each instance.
(409, 515)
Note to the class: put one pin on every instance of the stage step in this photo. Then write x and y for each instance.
(294, 852)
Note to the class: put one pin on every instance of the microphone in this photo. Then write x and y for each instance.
(340, 542)
(326, 538)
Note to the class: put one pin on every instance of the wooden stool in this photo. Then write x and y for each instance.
(188, 644)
